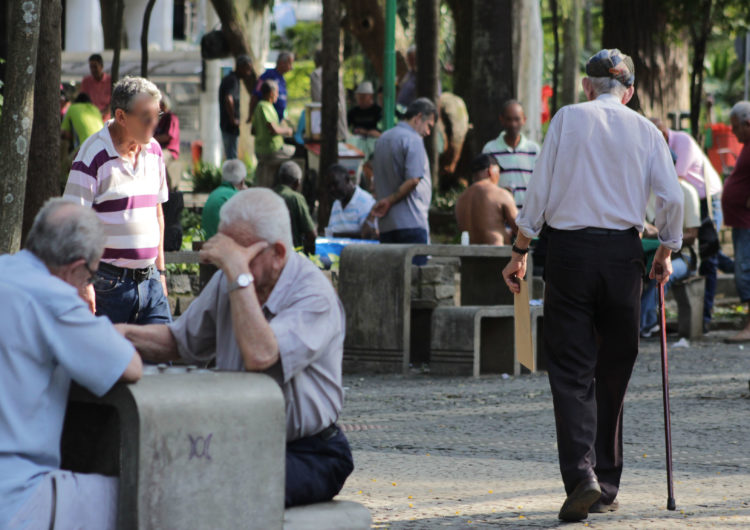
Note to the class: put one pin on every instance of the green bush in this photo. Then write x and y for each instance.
(206, 178)
(302, 38)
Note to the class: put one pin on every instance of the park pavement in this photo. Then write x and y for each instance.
(437, 452)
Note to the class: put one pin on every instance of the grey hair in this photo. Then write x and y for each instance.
(233, 171)
(128, 89)
(284, 56)
(262, 213)
(64, 232)
(289, 173)
(741, 111)
(607, 85)
(422, 106)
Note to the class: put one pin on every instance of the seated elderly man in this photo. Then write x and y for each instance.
(351, 211)
(233, 174)
(269, 310)
(288, 181)
(48, 336)
(485, 210)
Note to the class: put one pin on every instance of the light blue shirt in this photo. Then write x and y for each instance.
(399, 156)
(48, 336)
(350, 219)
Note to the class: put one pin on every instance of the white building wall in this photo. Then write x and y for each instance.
(83, 26)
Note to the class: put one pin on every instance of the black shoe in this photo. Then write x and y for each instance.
(600, 507)
(576, 506)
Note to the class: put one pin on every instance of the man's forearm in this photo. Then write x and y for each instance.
(154, 342)
(403, 190)
(160, 263)
(254, 335)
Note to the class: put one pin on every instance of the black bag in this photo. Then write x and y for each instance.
(708, 239)
(214, 45)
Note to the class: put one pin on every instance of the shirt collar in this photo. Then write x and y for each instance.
(32, 260)
(275, 301)
(609, 98)
(521, 141)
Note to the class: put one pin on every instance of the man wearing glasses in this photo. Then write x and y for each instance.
(119, 172)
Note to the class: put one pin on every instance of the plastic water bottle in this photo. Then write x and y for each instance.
(464, 238)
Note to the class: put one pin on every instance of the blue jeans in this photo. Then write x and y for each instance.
(408, 235)
(123, 300)
(741, 242)
(649, 318)
(230, 144)
(710, 265)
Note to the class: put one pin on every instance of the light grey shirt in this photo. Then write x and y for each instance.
(307, 319)
(599, 163)
(399, 156)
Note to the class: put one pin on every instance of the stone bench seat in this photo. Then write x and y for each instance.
(333, 515)
(689, 294)
(478, 340)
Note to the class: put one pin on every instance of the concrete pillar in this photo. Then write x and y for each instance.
(213, 151)
(160, 26)
(529, 48)
(83, 26)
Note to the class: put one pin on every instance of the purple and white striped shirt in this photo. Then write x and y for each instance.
(124, 197)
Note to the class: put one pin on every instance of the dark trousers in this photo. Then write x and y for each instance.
(317, 467)
(407, 235)
(591, 318)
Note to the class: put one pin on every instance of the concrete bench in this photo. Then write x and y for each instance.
(375, 287)
(478, 340)
(192, 448)
(689, 294)
(334, 515)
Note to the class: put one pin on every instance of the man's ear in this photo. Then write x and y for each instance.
(628, 95)
(587, 90)
(280, 250)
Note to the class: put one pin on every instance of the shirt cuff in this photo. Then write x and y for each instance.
(672, 244)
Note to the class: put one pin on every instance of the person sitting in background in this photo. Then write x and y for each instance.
(684, 262)
(485, 210)
(98, 85)
(167, 133)
(350, 213)
(272, 311)
(364, 118)
(288, 181)
(233, 174)
(48, 337)
(269, 142)
(81, 121)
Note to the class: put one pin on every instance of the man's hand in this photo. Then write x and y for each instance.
(381, 207)
(514, 271)
(232, 258)
(163, 281)
(89, 296)
(661, 269)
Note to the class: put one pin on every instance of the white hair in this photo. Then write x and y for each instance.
(260, 212)
(741, 111)
(128, 89)
(233, 171)
(607, 85)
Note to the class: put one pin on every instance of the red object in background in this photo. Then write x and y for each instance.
(724, 149)
(546, 94)
(196, 151)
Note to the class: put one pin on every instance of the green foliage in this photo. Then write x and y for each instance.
(191, 231)
(206, 178)
(302, 38)
(298, 89)
(334, 259)
(446, 201)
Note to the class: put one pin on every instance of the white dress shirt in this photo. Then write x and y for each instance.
(599, 163)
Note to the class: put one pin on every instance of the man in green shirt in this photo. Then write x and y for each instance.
(303, 228)
(81, 121)
(233, 174)
(269, 142)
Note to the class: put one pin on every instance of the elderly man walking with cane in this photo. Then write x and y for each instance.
(599, 163)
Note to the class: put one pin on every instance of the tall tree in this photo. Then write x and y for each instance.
(463, 18)
(118, 36)
(571, 36)
(428, 65)
(330, 111)
(17, 118)
(553, 5)
(144, 37)
(43, 174)
(492, 67)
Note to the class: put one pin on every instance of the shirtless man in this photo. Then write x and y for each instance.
(485, 210)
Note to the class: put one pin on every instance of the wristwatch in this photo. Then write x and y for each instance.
(242, 281)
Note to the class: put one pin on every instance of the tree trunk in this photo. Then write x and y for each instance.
(556, 55)
(233, 29)
(588, 26)
(331, 39)
(117, 31)
(365, 20)
(699, 39)
(463, 19)
(43, 174)
(638, 29)
(427, 36)
(144, 37)
(571, 50)
(492, 73)
(17, 118)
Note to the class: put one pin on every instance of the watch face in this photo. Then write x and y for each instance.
(243, 280)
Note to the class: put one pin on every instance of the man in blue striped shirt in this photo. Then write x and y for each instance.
(515, 153)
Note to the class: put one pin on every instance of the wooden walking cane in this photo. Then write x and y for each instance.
(665, 390)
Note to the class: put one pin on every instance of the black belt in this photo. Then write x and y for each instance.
(598, 231)
(137, 275)
(328, 433)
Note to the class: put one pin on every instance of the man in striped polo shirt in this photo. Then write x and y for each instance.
(515, 153)
(119, 172)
